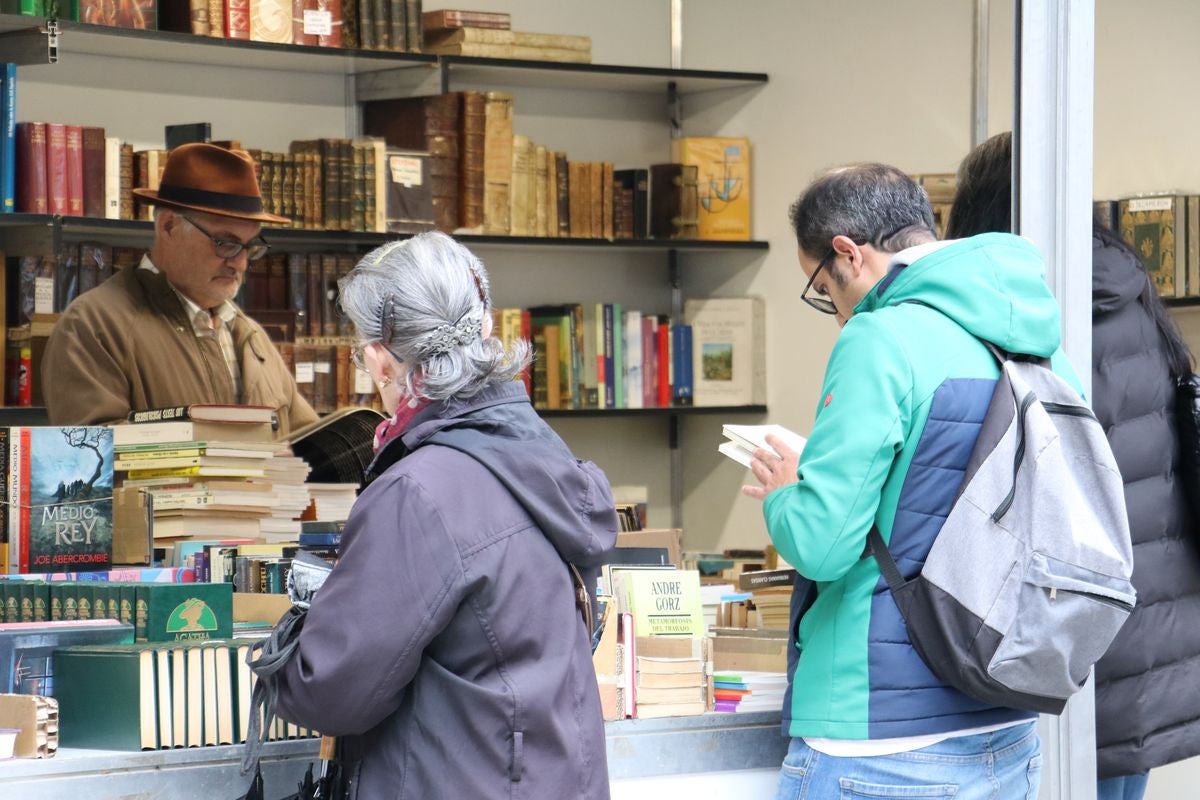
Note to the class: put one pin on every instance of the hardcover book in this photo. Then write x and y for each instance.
(124, 716)
(60, 482)
(728, 350)
(167, 612)
(271, 21)
(33, 183)
(664, 602)
(673, 201)
(447, 18)
(139, 14)
(723, 183)
(409, 192)
(207, 412)
(1155, 227)
(497, 163)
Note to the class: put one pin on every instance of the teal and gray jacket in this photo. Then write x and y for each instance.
(905, 391)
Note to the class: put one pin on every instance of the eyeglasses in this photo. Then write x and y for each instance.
(357, 357)
(823, 304)
(228, 248)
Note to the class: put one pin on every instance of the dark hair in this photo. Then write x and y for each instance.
(1178, 355)
(871, 203)
(983, 201)
(983, 204)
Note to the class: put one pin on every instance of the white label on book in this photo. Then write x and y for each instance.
(363, 383)
(406, 171)
(43, 295)
(323, 367)
(1151, 204)
(317, 22)
(304, 372)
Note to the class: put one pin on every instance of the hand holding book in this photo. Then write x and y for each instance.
(772, 452)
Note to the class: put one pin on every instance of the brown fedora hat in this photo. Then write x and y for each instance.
(213, 180)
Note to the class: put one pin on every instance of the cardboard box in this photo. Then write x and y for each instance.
(256, 607)
(131, 528)
(667, 538)
(749, 653)
(36, 717)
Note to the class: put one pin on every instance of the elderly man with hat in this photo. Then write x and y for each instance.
(168, 333)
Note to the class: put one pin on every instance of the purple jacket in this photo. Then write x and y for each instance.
(445, 647)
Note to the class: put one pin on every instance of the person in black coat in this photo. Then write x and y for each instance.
(1148, 683)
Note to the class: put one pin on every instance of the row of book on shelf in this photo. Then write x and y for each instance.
(387, 25)
(450, 161)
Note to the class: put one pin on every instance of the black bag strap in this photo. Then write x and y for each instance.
(583, 600)
(887, 564)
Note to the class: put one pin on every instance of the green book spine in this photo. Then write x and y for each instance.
(41, 601)
(126, 601)
(28, 592)
(8, 601)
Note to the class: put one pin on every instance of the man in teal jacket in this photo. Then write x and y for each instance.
(905, 390)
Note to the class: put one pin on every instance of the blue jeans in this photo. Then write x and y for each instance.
(1001, 765)
(1126, 787)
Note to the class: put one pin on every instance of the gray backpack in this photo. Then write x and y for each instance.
(1027, 582)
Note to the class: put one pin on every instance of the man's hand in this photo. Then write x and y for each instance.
(774, 468)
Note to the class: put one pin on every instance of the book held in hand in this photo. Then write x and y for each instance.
(745, 439)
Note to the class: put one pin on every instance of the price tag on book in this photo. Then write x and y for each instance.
(405, 171)
(43, 295)
(304, 372)
(317, 22)
(363, 383)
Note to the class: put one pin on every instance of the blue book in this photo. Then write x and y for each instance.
(320, 539)
(681, 353)
(8, 144)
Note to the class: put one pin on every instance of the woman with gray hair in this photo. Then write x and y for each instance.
(446, 647)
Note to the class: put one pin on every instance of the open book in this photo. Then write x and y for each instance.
(745, 439)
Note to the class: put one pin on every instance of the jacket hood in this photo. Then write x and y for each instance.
(993, 285)
(1117, 277)
(569, 500)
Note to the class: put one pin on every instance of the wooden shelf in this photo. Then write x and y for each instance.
(1181, 302)
(98, 40)
(139, 232)
(672, 411)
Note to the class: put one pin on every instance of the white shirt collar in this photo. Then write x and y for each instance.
(226, 312)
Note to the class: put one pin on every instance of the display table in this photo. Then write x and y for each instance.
(636, 749)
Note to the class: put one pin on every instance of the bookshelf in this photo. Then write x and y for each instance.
(55, 50)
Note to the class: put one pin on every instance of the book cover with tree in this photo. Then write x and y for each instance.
(67, 493)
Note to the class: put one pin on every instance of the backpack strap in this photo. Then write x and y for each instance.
(887, 564)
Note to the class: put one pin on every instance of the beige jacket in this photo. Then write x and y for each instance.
(127, 345)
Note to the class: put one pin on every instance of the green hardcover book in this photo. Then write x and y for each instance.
(127, 597)
(70, 601)
(28, 591)
(184, 611)
(107, 697)
(56, 601)
(114, 602)
(9, 591)
(84, 594)
(1156, 228)
(41, 601)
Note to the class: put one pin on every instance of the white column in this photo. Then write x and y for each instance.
(1052, 202)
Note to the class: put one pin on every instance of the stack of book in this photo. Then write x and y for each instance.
(332, 501)
(671, 676)
(489, 34)
(212, 472)
(746, 691)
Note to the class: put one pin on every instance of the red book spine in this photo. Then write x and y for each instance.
(75, 170)
(664, 360)
(649, 381)
(237, 19)
(56, 166)
(32, 187)
(334, 38)
(25, 376)
(93, 173)
(298, 34)
(25, 500)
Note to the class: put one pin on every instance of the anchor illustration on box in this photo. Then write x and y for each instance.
(718, 192)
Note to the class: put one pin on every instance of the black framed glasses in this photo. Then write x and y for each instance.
(822, 304)
(228, 248)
